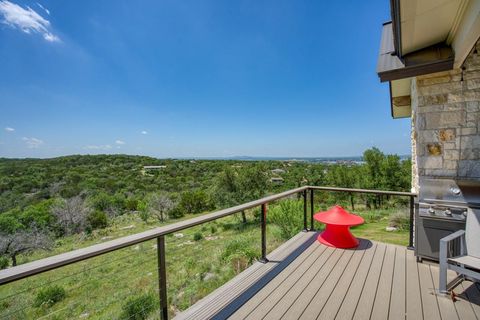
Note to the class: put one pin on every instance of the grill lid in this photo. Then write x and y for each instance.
(448, 191)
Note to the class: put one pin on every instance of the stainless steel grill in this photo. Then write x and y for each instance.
(442, 208)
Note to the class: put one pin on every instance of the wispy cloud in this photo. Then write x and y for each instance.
(144, 132)
(120, 142)
(26, 20)
(44, 9)
(32, 143)
(98, 147)
(9, 129)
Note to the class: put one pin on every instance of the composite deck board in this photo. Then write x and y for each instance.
(349, 302)
(462, 305)
(323, 292)
(307, 280)
(384, 289)
(472, 294)
(398, 294)
(445, 303)
(292, 291)
(413, 299)
(427, 293)
(330, 307)
(364, 305)
(304, 293)
(275, 289)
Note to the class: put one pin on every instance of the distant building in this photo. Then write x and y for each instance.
(276, 180)
(278, 171)
(154, 167)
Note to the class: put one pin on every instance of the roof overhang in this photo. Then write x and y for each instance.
(424, 36)
(435, 58)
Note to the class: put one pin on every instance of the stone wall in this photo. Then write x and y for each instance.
(446, 122)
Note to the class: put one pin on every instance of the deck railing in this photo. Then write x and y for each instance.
(159, 233)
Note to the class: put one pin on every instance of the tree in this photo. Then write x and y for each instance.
(159, 205)
(373, 165)
(233, 188)
(194, 202)
(344, 177)
(23, 241)
(71, 214)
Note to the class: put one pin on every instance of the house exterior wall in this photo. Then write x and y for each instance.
(446, 122)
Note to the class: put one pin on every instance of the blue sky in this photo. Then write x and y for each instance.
(194, 78)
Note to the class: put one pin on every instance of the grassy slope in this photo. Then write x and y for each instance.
(97, 288)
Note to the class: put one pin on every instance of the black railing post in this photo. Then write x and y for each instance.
(410, 239)
(305, 228)
(312, 227)
(263, 219)
(162, 277)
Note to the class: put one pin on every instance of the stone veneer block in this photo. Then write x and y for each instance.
(468, 131)
(446, 134)
(434, 149)
(450, 165)
(473, 106)
(440, 120)
(451, 155)
(431, 162)
(469, 169)
(470, 154)
(469, 142)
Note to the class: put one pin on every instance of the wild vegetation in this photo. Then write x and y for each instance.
(57, 205)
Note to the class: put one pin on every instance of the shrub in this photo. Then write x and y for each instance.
(197, 236)
(49, 296)
(176, 213)
(400, 219)
(139, 307)
(3, 262)
(97, 220)
(288, 216)
(240, 247)
(143, 211)
(101, 201)
(131, 204)
(195, 202)
(213, 229)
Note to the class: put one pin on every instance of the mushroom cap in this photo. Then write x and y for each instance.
(338, 216)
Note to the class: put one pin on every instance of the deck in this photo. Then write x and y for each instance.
(307, 280)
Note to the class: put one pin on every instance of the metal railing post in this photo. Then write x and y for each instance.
(162, 277)
(305, 228)
(410, 239)
(312, 227)
(263, 219)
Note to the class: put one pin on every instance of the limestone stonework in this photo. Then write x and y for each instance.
(446, 122)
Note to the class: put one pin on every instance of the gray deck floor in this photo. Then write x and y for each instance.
(307, 280)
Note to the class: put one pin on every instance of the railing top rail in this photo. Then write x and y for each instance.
(46, 264)
(391, 193)
(50, 263)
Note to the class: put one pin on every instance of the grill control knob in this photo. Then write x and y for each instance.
(448, 212)
(431, 210)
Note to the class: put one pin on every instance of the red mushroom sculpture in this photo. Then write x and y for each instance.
(337, 230)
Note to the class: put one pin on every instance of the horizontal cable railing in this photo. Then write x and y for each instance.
(39, 266)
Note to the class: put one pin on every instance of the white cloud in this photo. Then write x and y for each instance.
(119, 142)
(9, 129)
(44, 9)
(98, 147)
(32, 143)
(27, 20)
(144, 132)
